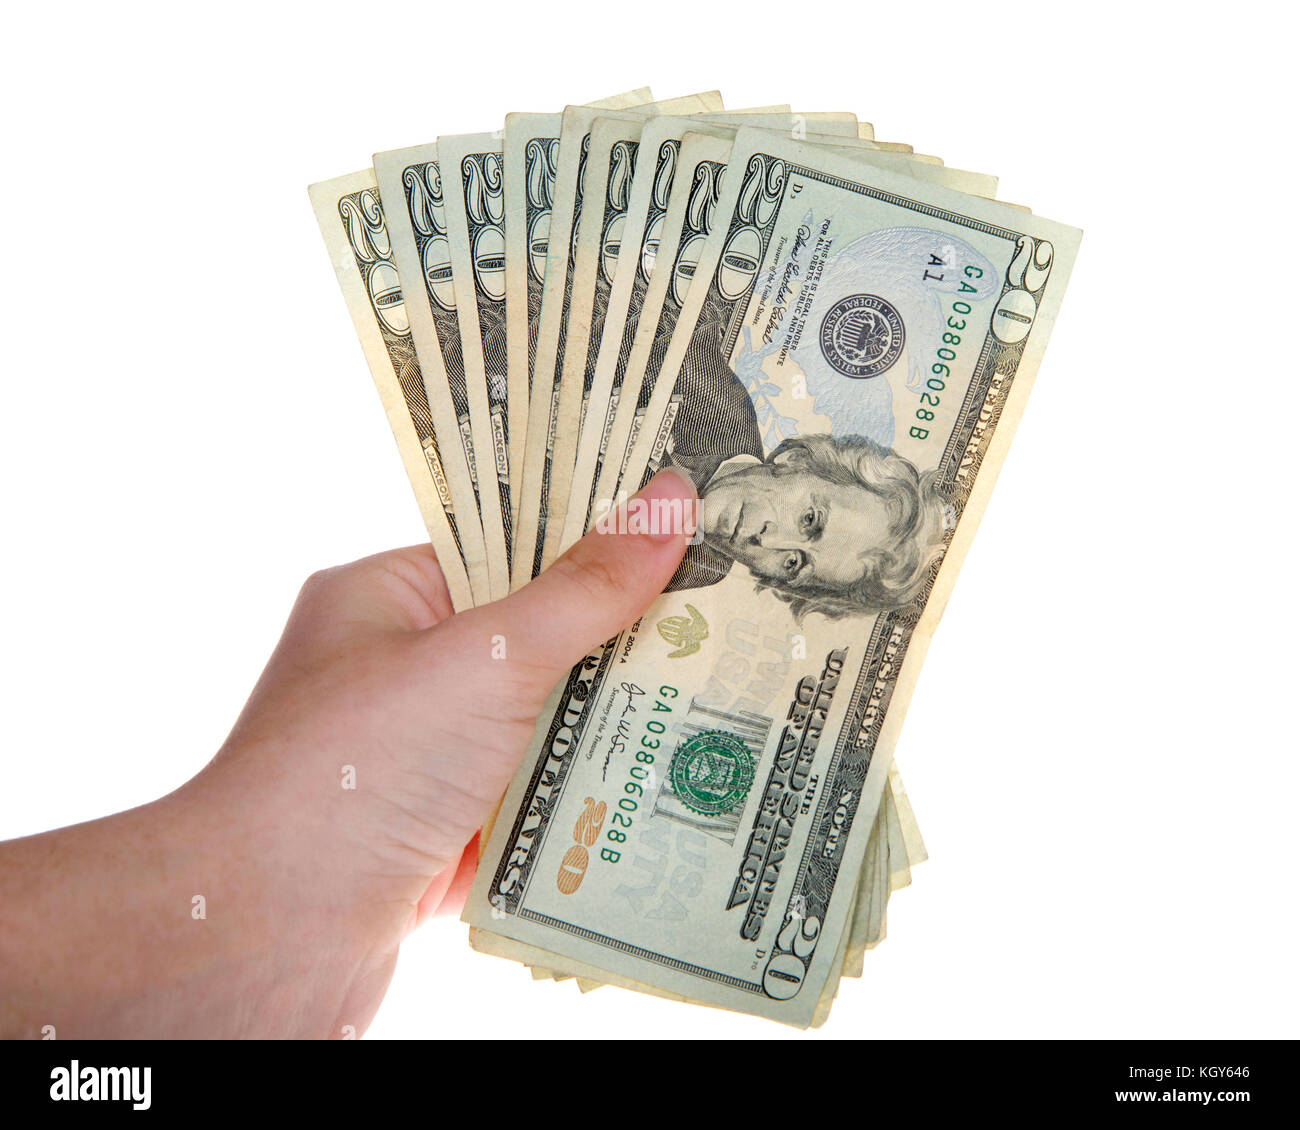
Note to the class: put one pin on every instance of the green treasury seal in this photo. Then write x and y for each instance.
(711, 773)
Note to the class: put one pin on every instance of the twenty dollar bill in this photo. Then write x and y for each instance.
(843, 391)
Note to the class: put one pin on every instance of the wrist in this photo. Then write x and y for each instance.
(311, 943)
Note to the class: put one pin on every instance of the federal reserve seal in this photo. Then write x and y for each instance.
(861, 336)
(711, 772)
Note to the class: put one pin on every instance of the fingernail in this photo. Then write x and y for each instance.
(666, 507)
(659, 487)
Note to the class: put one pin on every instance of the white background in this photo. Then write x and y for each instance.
(1102, 748)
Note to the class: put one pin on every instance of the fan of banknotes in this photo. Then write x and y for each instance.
(833, 336)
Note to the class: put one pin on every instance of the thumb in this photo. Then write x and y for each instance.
(596, 589)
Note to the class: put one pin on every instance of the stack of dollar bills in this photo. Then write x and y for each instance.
(834, 337)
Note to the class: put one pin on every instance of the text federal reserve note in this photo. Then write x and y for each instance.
(633, 214)
(659, 395)
(848, 375)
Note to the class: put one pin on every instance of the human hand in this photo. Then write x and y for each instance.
(343, 807)
(424, 715)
